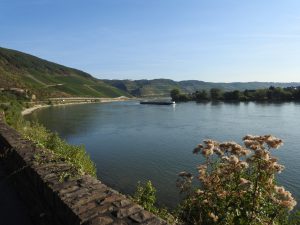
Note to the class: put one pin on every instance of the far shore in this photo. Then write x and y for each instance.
(73, 101)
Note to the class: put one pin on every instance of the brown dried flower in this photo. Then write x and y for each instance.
(213, 216)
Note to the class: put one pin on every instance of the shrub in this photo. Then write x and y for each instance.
(145, 196)
(13, 113)
(39, 135)
(76, 155)
(237, 185)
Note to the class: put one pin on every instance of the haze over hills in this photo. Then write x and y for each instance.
(48, 79)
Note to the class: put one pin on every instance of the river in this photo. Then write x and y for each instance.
(130, 142)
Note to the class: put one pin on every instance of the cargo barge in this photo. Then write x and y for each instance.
(157, 103)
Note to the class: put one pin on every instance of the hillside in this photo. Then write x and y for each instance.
(48, 79)
(162, 87)
(156, 87)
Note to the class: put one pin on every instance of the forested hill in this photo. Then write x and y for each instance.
(162, 87)
(48, 79)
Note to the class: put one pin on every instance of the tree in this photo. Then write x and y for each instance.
(297, 94)
(215, 94)
(180, 97)
(279, 94)
(201, 95)
(174, 94)
(228, 96)
(233, 96)
(249, 94)
(260, 95)
(237, 95)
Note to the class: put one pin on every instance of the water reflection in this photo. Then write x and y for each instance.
(61, 121)
(131, 142)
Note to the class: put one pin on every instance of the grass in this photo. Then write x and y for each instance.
(22, 70)
(57, 148)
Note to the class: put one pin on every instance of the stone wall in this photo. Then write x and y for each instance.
(84, 200)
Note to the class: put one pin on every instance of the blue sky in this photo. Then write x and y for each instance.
(210, 40)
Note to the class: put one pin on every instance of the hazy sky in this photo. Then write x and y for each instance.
(210, 40)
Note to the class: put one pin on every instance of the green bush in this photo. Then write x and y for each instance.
(38, 134)
(145, 196)
(76, 155)
(13, 115)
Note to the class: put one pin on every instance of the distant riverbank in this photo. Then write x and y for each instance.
(271, 94)
(71, 101)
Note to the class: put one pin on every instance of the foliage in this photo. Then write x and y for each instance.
(162, 87)
(44, 79)
(176, 95)
(76, 155)
(215, 94)
(140, 88)
(12, 106)
(200, 95)
(145, 196)
(47, 79)
(38, 134)
(294, 219)
(268, 94)
(237, 185)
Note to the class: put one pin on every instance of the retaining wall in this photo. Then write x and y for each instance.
(84, 200)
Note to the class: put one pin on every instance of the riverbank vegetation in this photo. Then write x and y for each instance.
(235, 185)
(270, 94)
(145, 196)
(77, 156)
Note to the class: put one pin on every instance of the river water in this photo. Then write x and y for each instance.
(130, 142)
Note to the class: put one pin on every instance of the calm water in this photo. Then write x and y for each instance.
(131, 142)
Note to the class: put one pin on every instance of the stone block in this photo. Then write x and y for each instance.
(77, 201)
(127, 211)
(141, 216)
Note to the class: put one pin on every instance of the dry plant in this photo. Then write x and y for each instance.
(237, 184)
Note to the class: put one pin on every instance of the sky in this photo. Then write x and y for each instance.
(209, 40)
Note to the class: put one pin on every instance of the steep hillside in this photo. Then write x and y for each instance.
(162, 87)
(47, 79)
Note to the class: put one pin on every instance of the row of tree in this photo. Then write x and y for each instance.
(215, 94)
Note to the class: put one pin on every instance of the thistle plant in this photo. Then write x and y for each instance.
(236, 184)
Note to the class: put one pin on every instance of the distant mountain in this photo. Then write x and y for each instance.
(156, 87)
(162, 87)
(193, 85)
(48, 79)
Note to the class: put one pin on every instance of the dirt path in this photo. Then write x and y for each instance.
(64, 101)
